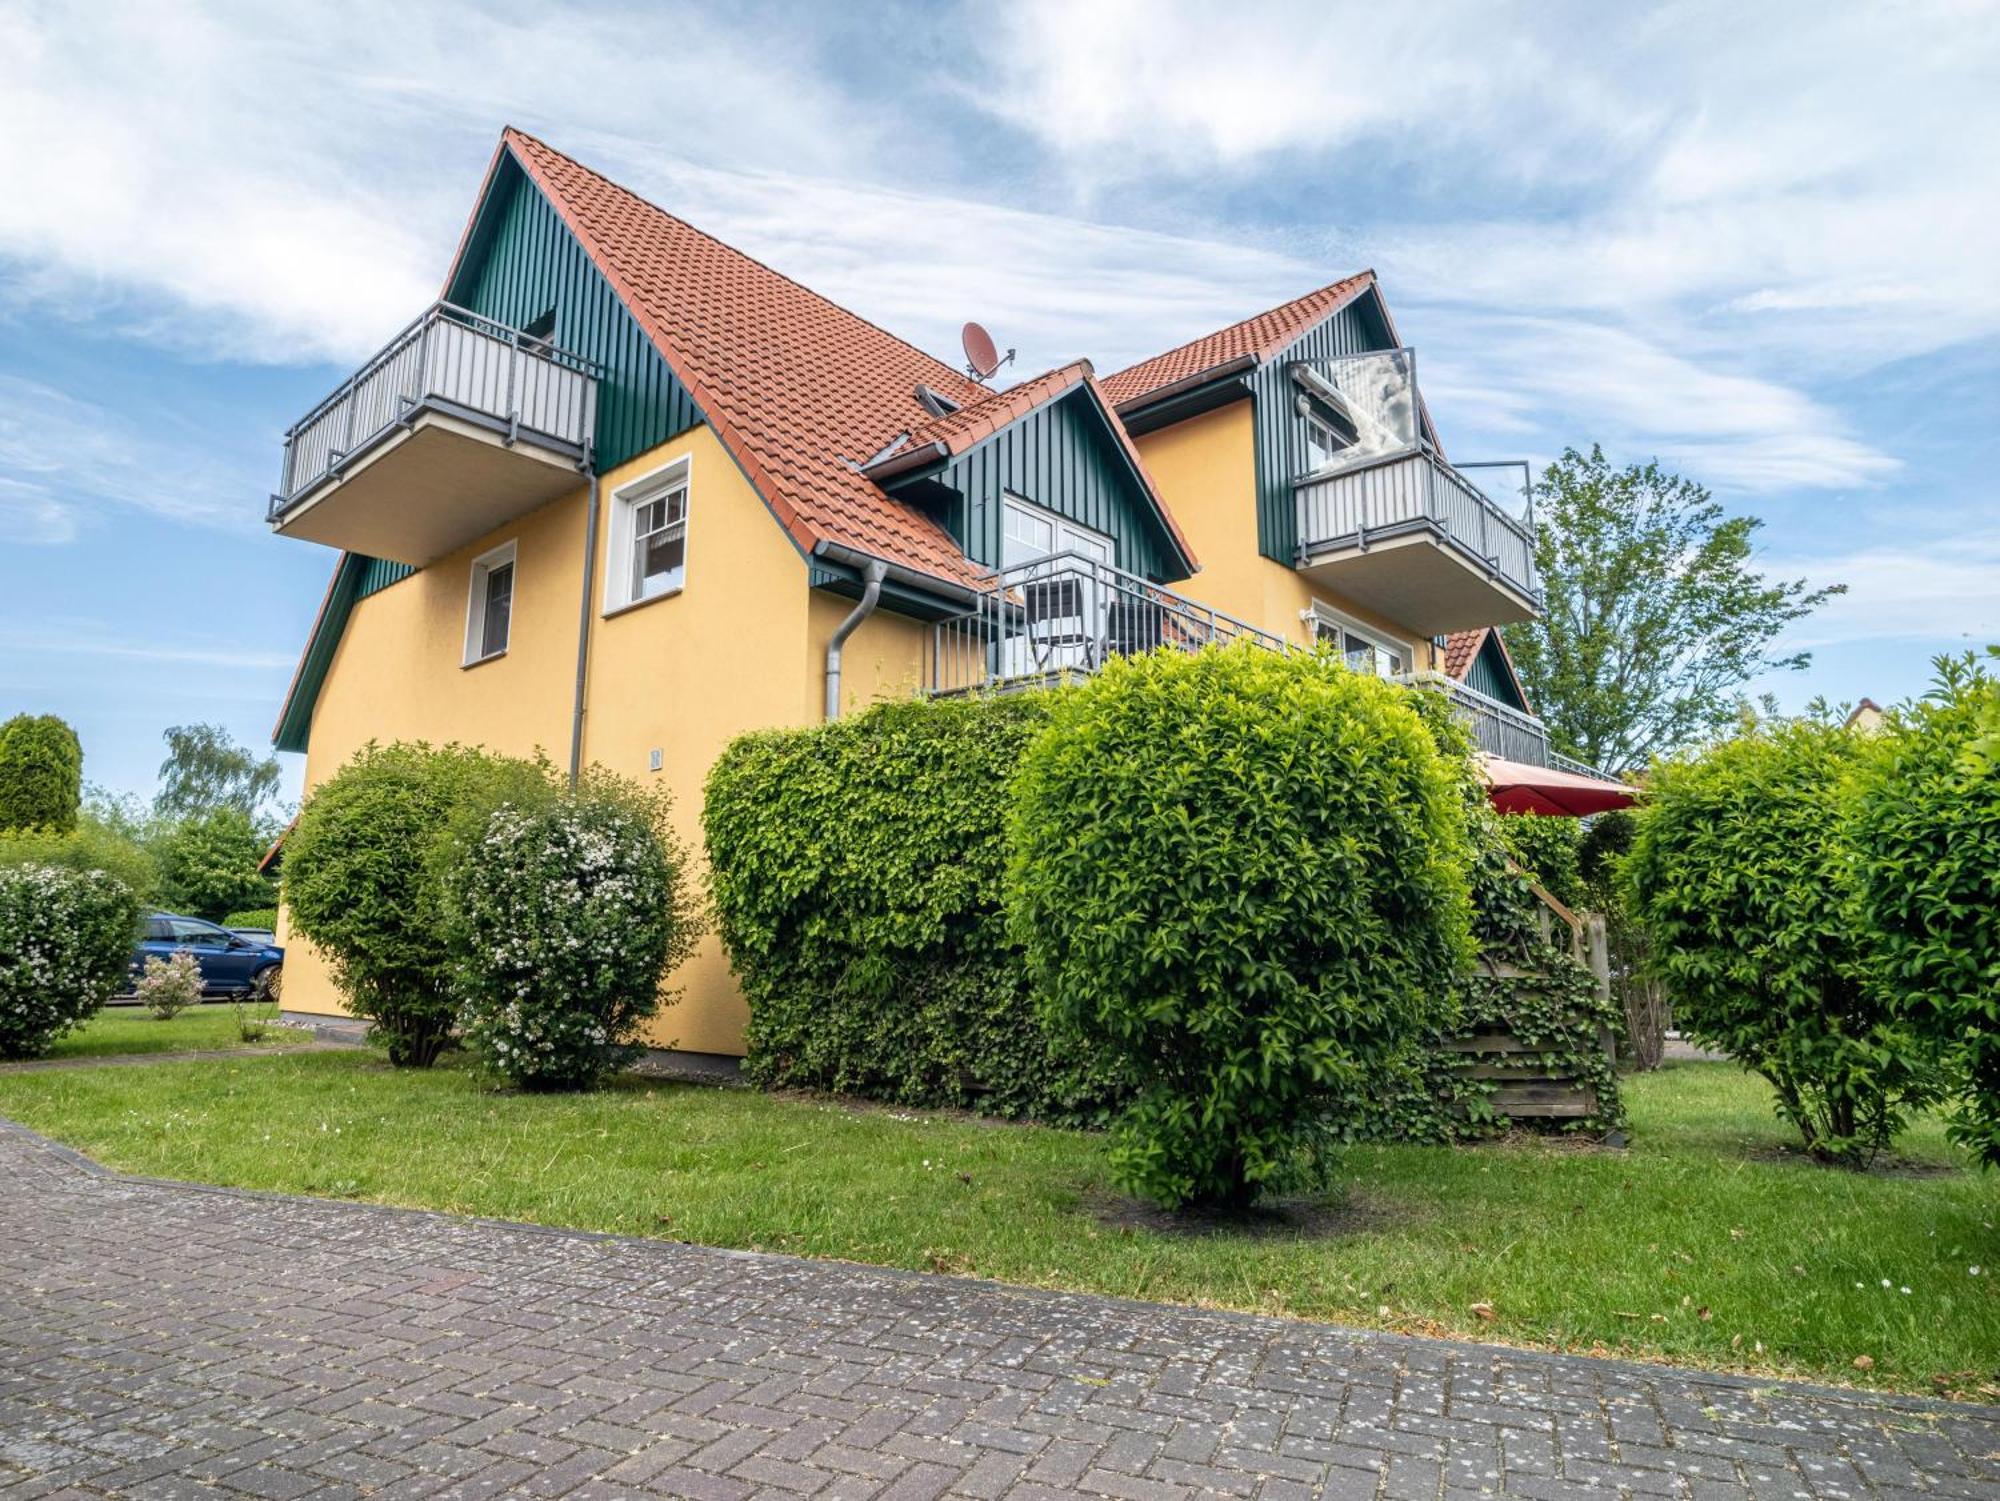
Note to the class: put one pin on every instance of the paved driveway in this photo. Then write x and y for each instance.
(159, 1340)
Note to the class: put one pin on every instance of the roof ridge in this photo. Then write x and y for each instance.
(1348, 285)
(511, 131)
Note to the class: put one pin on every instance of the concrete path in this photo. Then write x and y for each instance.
(167, 1341)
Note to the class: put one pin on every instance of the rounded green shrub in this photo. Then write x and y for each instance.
(364, 878)
(66, 940)
(1242, 876)
(564, 919)
(856, 874)
(1741, 872)
(41, 773)
(1925, 824)
(260, 919)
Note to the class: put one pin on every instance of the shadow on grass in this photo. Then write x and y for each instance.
(1327, 1216)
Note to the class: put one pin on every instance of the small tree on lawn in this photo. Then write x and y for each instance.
(1243, 875)
(563, 921)
(364, 878)
(1925, 823)
(41, 773)
(1741, 872)
(65, 943)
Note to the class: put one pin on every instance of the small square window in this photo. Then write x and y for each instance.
(489, 611)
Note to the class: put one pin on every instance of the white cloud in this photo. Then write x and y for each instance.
(64, 460)
(284, 183)
(1639, 399)
(1818, 175)
(76, 637)
(1712, 213)
(30, 514)
(1942, 592)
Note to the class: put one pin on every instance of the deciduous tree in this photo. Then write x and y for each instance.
(1655, 615)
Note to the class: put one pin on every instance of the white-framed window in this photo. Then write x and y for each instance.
(1329, 432)
(489, 605)
(1363, 649)
(649, 526)
(1065, 609)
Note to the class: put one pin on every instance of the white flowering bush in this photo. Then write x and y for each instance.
(170, 985)
(65, 941)
(563, 919)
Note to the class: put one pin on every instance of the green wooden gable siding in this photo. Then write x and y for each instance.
(1489, 675)
(1281, 431)
(1063, 457)
(378, 574)
(522, 262)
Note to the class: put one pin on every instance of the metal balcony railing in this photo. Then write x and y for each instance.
(1414, 489)
(1501, 729)
(1068, 613)
(455, 362)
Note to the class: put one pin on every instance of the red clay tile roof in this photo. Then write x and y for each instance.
(1261, 336)
(799, 389)
(957, 431)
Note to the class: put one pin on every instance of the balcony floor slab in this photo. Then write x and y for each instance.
(1418, 580)
(422, 492)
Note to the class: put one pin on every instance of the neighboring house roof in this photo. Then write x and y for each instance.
(1462, 648)
(799, 390)
(1255, 338)
(1867, 715)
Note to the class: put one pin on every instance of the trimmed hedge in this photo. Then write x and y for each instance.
(855, 869)
(1924, 819)
(1243, 876)
(264, 919)
(1743, 873)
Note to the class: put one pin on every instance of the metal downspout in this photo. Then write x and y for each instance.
(583, 633)
(871, 595)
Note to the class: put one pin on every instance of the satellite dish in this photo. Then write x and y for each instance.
(982, 355)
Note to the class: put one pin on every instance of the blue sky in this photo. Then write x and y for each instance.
(1755, 242)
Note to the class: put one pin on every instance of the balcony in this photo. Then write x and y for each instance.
(458, 426)
(1067, 614)
(1501, 729)
(1386, 521)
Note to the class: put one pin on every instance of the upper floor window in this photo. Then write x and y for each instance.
(649, 524)
(1362, 649)
(489, 608)
(1328, 433)
(541, 331)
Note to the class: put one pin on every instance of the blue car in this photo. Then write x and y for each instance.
(231, 964)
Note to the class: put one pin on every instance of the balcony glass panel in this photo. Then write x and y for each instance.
(1368, 406)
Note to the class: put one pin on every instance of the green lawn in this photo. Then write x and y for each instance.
(134, 1029)
(1704, 1242)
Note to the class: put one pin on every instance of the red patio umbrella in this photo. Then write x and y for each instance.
(1516, 787)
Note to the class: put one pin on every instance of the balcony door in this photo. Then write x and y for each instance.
(1058, 597)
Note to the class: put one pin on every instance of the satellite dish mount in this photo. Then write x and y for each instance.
(982, 355)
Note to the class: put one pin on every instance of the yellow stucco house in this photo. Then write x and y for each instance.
(625, 493)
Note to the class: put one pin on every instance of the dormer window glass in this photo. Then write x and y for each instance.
(935, 402)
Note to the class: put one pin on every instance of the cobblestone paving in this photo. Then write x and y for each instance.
(159, 1340)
